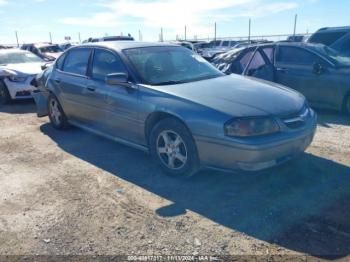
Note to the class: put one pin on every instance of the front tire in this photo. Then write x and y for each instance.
(172, 146)
(57, 117)
(5, 97)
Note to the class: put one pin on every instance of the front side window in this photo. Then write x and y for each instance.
(60, 61)
(105, 63)
(294, 55)
(76, 61)
(170, 65)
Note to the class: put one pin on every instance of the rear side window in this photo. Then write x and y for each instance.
(294, 55)
(105, 63)
(76, 61)
(269, 53)
(326, 38)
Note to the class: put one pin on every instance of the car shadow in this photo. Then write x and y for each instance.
(303, 205)
(19, 107)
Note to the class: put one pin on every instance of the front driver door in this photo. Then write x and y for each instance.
(117, 103)
(295, 68)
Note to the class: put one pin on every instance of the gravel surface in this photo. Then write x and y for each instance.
(70, 192)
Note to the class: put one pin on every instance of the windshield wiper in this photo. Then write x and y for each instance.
(170, 82)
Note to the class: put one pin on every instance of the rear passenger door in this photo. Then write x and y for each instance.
(70, 81)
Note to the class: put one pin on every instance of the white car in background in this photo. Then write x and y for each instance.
(17, 69)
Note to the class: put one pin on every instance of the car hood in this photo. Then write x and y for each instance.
(21, 69)
(239, 96)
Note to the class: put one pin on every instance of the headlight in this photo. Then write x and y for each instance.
(253, 126)
(17, 78)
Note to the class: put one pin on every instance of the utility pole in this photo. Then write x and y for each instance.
(215, 31)
(249, 29)
(50, 37)
(79, 38)
(185, 32)
(140, 36)
(295, 24)
(161, 34)
(17, 38)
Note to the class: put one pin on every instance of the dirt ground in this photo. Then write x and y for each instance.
(70, 193)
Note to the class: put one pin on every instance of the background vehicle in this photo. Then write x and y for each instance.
(17, 70)
(109, 39)
(169, 101)
(48, 52)
(316, 71)
(296, 38)
(337, 38)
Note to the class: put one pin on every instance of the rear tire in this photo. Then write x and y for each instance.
(172, 146)
(5, 97)
(56, 114)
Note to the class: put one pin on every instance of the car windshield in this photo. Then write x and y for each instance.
(50, 49)
(170, 65)
(18, 58)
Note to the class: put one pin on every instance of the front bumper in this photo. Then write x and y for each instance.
(20, 90)
(254, 155)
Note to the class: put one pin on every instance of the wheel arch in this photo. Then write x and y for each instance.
(156, 117)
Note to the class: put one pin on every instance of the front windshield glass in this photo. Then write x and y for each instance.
(170, 65)
(18, 58)
(50, 49)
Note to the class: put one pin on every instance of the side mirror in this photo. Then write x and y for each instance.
(318, 68)
(45, 66)
(117, 79)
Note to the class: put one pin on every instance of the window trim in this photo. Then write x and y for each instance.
(74, 74)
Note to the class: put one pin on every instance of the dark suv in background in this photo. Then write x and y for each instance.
(337, 38)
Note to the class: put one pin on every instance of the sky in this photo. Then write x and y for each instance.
(35, 19)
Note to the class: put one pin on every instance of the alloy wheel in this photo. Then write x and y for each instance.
(55, 112)
(172, 150)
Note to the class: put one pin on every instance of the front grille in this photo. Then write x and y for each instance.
(298, 120)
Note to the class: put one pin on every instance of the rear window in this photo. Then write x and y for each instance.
(326, 38)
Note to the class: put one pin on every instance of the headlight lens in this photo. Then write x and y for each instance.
(17, 78)
(257, 126)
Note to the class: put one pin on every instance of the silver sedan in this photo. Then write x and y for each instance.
(170, 102)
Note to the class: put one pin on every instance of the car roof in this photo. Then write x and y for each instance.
(120, 45)
(334, 29)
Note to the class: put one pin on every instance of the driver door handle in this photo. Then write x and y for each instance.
(282, 69)
(57, 80)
